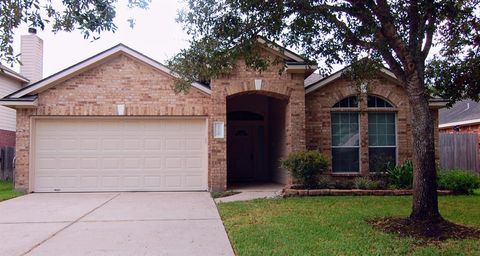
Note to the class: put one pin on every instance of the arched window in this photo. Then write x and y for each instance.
(345, 137)
(376, 102)
(382, 135)
(348, 102)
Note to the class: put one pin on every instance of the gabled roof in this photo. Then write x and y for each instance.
(315, 82)
(93, 61)
(461, 113)
(294, 63)
(289, 55)
(323, 81)
(12, 74)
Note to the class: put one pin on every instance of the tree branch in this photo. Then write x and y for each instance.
(383, 12)
(430, 29)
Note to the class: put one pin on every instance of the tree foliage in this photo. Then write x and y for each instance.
(90, 17)
(395, 33)
(398, 34)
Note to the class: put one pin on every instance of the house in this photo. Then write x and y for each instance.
(463, 116)
(113, 123)
(11, 81)
(459, 127)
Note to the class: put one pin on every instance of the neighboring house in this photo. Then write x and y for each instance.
(460, 139)
(114, 123)
(10, 81)
(463, 117)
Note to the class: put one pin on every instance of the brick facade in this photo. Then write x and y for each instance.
(148, 92)
(7, 138)
(467, 128)
(319, 105)
(144, 90)
(242, 80)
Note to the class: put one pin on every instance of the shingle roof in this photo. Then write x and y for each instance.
(11, 73)
(311, 79)
(461, 111)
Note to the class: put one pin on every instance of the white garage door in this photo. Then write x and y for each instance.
(78, 154)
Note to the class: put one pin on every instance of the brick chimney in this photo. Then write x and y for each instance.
(31, 56)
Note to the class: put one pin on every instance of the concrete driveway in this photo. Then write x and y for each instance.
(180, 223)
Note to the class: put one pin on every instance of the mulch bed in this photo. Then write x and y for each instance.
(425, 231)
(223, 194)
(289, 192)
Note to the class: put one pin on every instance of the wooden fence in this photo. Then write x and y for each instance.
(7, 156)
(459, 151)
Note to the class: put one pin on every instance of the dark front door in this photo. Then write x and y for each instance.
(240, 152)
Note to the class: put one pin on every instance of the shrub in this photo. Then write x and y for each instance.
(305, 166)
(463, 182)
(342, 184)
(323, 182)
(365, 183)
(401, 176)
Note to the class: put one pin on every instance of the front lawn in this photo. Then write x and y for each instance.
(6, 190)
(337, 226)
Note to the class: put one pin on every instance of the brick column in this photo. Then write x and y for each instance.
(295, 118)
(295, 115)
(218, 147)
(22, 148)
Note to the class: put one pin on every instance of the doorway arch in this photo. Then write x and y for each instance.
(256, 135)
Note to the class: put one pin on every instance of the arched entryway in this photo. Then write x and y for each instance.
(256, 133)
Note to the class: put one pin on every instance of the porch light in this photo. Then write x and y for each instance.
(121, 109)
(218, 130)
(258, 84)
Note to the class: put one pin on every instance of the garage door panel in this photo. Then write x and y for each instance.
(120, 155)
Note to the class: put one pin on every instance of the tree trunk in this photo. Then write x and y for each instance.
(425, 198)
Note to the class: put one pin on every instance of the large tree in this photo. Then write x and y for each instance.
(90, 17)
(399, 34)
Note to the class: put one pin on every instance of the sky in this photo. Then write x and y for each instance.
(155, 34)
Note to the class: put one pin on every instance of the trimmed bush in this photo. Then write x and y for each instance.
(342, 184)
(460, 181)
(365, 183)
(401, 176)
(323, 182)
(305, 166)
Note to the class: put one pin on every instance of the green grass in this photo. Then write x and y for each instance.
(336, 226)
(6, 190)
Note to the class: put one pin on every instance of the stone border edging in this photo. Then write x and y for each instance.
(289, 192)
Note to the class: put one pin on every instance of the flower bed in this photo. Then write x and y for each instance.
(289, 192)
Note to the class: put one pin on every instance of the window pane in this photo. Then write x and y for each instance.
(345, 159)
(344, 118)
(389, 118)
(381, 129)
(373, 140)
(372, 129)
(335, 118)
(391, 129)
(376, 102)
(349, 102)
(345, 129)
(371, 101)
(380, 158)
